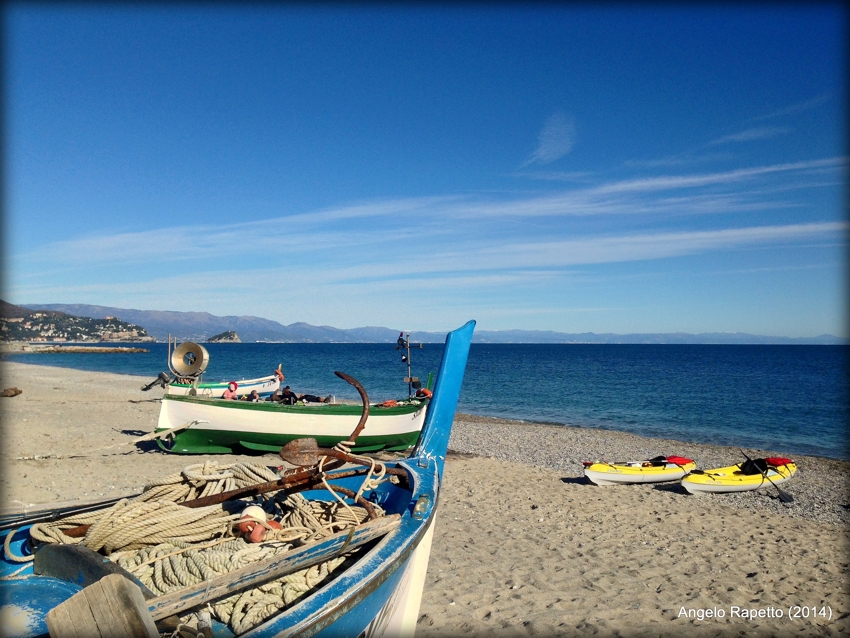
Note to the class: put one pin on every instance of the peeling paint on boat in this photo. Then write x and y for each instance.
(18, 621)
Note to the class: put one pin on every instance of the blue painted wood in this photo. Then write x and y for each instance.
(25, 605)
(434, 440)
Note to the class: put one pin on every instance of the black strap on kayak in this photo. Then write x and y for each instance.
(681, 467)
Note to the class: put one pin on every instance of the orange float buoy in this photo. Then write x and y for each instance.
(261, 530)
(257, 534)
(250, 516)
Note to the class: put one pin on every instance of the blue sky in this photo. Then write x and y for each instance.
(601, 168)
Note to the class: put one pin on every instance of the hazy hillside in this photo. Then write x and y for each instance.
(18, 323)
(199, 326)
(11, 310)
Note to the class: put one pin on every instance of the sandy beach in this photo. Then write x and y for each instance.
(523, 544)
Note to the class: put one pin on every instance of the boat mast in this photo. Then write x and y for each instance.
(404, 344)
(168, 355)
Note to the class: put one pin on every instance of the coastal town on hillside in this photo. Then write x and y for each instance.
(22, 324)
(27, 330)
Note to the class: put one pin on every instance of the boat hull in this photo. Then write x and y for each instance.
(263, 385)
(730, 479)
(378, 596)
(607, 474)
(225, 426)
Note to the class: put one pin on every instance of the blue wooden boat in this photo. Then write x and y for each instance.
(378, 595)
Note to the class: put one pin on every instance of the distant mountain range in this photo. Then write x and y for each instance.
(198, 326)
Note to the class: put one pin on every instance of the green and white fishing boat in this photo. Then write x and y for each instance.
(227, 426)
(208, 425)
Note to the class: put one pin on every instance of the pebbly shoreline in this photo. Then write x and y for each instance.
(821, 487)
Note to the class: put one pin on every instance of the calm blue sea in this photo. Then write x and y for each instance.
(792, 399)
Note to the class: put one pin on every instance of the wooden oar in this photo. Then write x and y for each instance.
(121, 602)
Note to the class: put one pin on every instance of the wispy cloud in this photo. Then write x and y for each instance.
(657, 194)
(680, 159)
(783, 269)
(750, 134)
(307, 233)
(403, 206)
(631, 247)
(554, 141)
(434, 282)
(667, 182)
(478, 265)
(558, 176)
(390, 227)
(447, 254)
(798, 107)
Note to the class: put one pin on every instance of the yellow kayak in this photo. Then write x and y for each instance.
(740, 477)
(661, 468)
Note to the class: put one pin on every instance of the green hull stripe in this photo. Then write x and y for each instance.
(199, 441)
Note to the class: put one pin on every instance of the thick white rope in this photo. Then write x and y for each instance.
(169, 547)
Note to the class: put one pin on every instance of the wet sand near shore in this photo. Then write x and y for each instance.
(523, 545)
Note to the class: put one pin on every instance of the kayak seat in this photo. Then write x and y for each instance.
(751, 467)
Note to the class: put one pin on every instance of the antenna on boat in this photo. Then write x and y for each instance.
(404, 345)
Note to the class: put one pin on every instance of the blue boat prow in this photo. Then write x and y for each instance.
(434, 440)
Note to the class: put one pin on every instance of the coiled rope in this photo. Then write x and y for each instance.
(175, 565)
(155, 516)
(169, 547)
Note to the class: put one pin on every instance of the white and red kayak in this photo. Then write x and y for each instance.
(655, 470)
